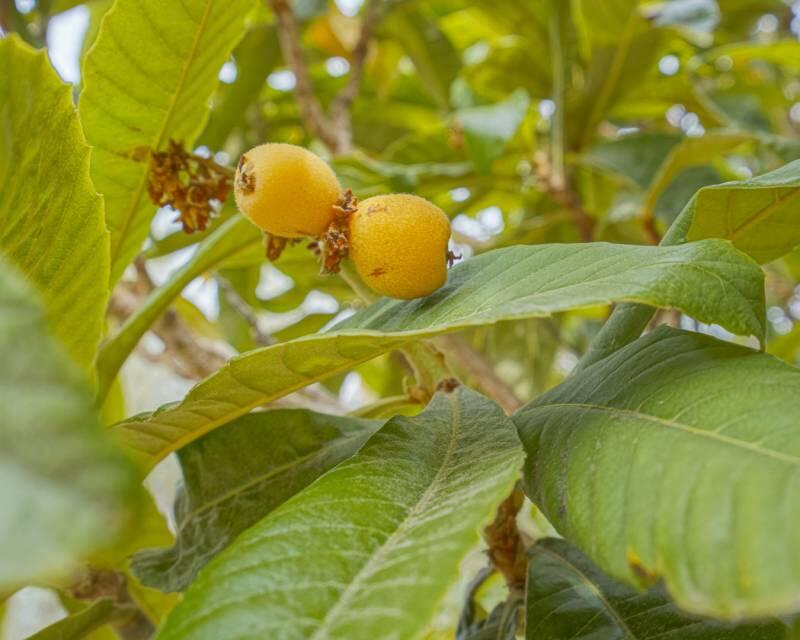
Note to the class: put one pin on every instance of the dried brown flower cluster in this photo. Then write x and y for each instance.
(188, 183)
(333, 246)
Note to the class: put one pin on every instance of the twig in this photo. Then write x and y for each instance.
(311, 111)
(243, 309)
(649, 226)
(96, 584)
(563, 196)
(481, 370)
(5, 15)
(190, 357)
(506, 546)
(340, 107)
(558, 122)
(335, 130)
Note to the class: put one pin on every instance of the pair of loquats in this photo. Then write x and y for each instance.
(398, 242)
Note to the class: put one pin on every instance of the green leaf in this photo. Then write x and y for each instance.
(604, 23)
(237, 475)
(691, 152)
(709, 281)
(378, 537)
(758, 215)
(569, 597)
(81, 624)
(237, 236)
(676, 458)
(637, 157)
(621, 48)
(627, 321)
(487, 129)
(436, 60)
(65, 485)
(148, 79)
(52, 216)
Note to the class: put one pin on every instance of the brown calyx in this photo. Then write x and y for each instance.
(274, 245)
(245, 175)
(334, 244)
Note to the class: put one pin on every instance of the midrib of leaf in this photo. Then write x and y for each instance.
(595, 591)
(761, 215)
(711, 435)
(338, 442)
(613, 77)
(126, 223)
(366, 570)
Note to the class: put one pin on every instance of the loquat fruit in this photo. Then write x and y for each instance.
(286, 190)
(398, 244)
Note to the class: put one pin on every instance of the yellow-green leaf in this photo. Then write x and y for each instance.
(148, 79)
(758, 215)
(52, 218)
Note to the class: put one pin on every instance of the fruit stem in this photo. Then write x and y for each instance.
(430, 369)
(426, 361)
(354, 281)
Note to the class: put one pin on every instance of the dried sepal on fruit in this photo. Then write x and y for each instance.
(334, 244)
(398, 244)
(286, 190)
(274, 245)
(190, 184)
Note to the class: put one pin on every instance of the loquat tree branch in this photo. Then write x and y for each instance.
(241, 307)
(334, 130)
(128, 620)
(340, 108)
(311, 111)
(5, 15)
(478, 368)
(563, 195)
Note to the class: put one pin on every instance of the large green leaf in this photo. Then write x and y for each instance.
(710, 281)
(569, 597)
(64, 484)
(371, 546)
(759, 215)
(148, 79)
(236, 237)
(52, 218)
(237, 475)
(677, 458)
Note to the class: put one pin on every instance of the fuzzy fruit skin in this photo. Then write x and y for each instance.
(286, 190)
(398, 244)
